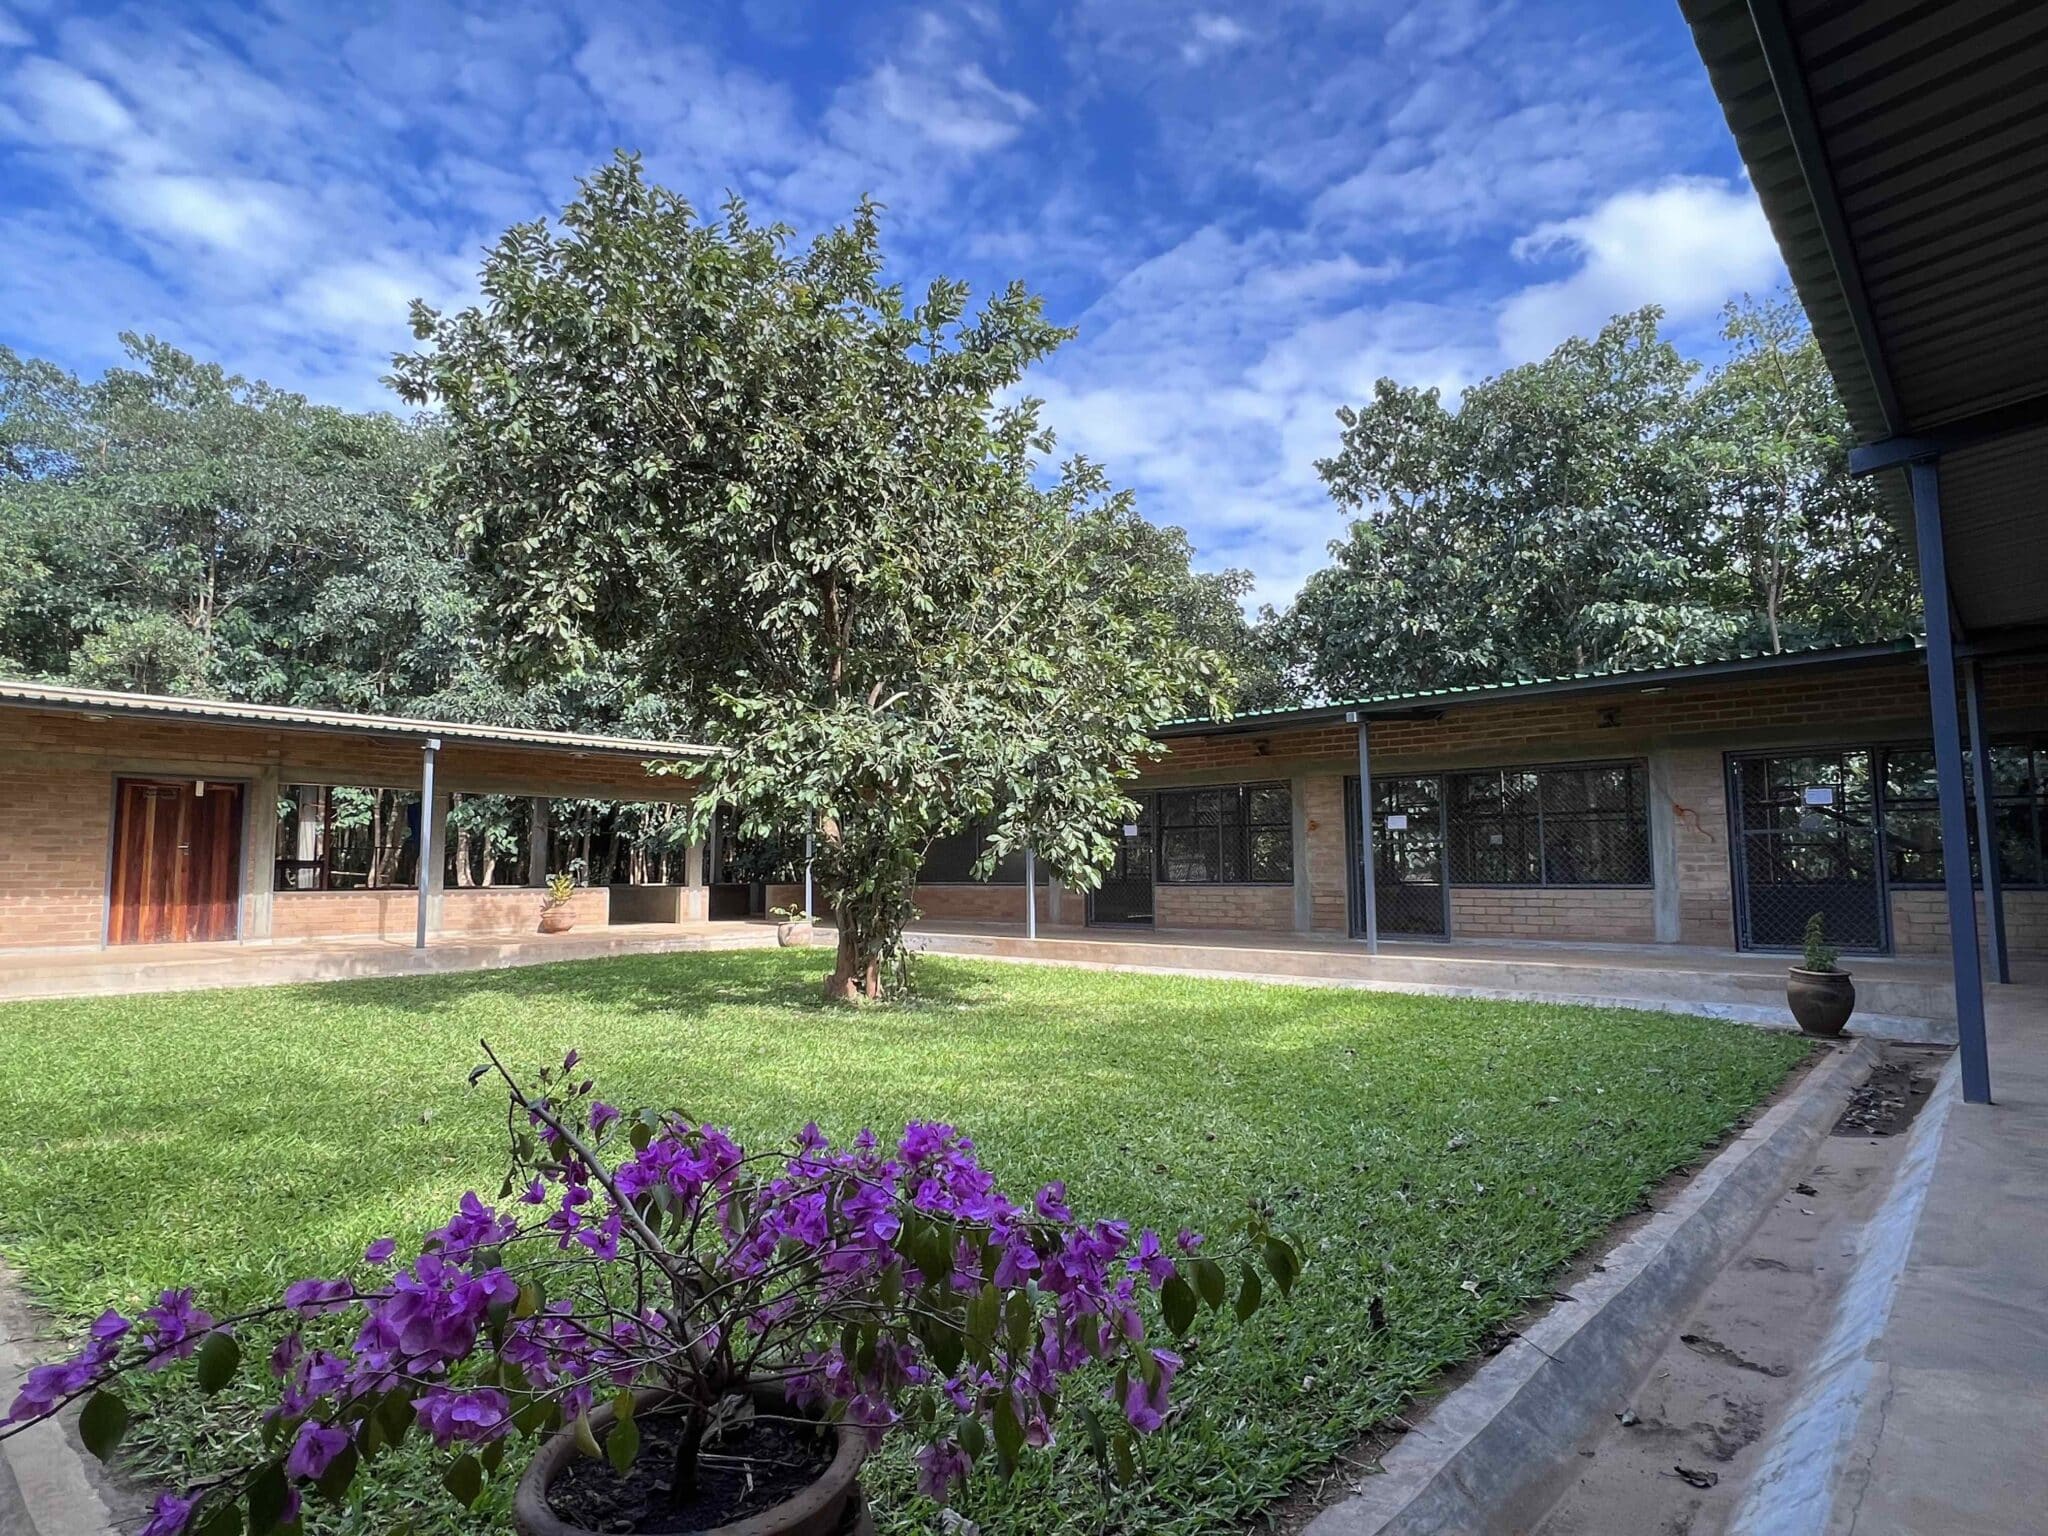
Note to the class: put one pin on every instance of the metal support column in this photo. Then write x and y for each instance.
(427, 875)
(810, 855)
(1987, 838)
(1948, 772)
(1030, 894)
(1368, 868)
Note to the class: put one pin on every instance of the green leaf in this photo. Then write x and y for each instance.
(1177, 1304)
(465, 1480)
(1126, 1459)
(1249, 1294)
(622, 1445)
(1009, 1432)
(102, 1423)
(333, 1483)
(1211, 1284)
(220, 1517)
(218, 1359)
(586, 1441)
(1282, 1262)
(267, 1498)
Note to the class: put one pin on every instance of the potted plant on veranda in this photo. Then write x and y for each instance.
(696, 1337)
(1819, 991)
(557, 915)
(792, 927)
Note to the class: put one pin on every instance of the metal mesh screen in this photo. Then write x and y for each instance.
(1235, 834)
(1809, 843)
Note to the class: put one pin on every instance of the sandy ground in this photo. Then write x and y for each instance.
(1675, 1458)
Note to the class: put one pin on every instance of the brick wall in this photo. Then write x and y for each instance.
(1266, 907)
(1329, 877)
(1557, 912)
(54, 830)
(394, 914)
(1920, 923)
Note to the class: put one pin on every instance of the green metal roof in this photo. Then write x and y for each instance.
(1422, 699)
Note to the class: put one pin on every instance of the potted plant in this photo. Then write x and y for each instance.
(693, 1335)
(556, 913)
(792, 927)
(1819, 991)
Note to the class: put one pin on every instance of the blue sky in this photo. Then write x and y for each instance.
(1251, 213)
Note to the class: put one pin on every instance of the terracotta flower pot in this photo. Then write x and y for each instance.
(831, 1506)
(793, 935)
(556, 919)
(1821, 1000)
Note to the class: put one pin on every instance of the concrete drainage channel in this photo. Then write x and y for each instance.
(1651, 1398)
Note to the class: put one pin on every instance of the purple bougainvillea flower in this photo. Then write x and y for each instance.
(601, 1115)
(449, 1416)
(569, 1061)
(168, 1516)
(312, 1297)
(380, 1251)
(314, 1451)
(939, 1466)
(176, 1327)
(1152, 1259)
(1188, 1241)
(1051, 1202)
(286, 1355)
(45, 1387)
(109, 1325)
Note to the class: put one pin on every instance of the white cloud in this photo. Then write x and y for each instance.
(64, 107)
(12, 33)
(1688, 244)
(246, 219)
(1210, 34)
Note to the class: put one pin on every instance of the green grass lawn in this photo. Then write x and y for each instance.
(1441, 1155)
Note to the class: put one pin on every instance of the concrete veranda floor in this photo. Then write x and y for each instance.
(190, 967)
(1907, 999)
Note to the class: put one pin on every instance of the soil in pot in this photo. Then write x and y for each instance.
(751, 1468)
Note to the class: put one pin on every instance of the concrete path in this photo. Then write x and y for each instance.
(194, 967)
(1952, 1433)
(1897, 999)
(49, 1485)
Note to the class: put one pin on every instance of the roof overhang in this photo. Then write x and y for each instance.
(1431, 704)
(112, 704)
(1900, 151)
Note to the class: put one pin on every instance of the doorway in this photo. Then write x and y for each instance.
(1411, 899)
(1808, 841)
(176, 869)
(1125, 896)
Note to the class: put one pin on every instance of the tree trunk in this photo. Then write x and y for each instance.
(855, 978)
(463, 877)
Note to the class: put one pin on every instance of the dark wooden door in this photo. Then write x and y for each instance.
(177, 861)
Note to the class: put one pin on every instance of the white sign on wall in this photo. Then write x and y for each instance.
(1820, 794)
(1130, 829)
(1397, 823)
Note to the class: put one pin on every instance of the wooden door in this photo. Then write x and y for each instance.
(177, 861)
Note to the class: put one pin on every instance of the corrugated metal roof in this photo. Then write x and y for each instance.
(1574, 682)
(1915, 230)
(103, 701)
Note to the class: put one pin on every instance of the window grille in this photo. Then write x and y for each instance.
(1231, 834)
(1580, 825)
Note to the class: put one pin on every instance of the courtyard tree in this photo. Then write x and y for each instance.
(814, 512)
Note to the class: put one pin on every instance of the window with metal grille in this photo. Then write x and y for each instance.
(951, 859)
(2019, 815)
(1579, 825)
(1229, 834)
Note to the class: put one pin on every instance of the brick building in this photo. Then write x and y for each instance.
(126, 818)
(1717, 805)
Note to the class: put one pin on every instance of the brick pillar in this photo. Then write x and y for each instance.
(1304, 887)
(1663, 851)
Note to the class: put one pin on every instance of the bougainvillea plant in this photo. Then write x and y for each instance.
(893, 1288)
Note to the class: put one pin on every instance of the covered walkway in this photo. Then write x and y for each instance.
(1897, 998)
(195, 967)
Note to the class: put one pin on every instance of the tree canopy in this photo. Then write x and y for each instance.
(792, 496)
(1603, 507)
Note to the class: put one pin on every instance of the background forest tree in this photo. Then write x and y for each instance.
(1604, 507)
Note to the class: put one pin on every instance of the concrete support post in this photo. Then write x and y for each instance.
(260, 867)
(1368, 885)
(1948, 771)
(539, 840)
(1304, 874)
(1987, 834)
(432, 825)
(1030, 894)
(1665, 908)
